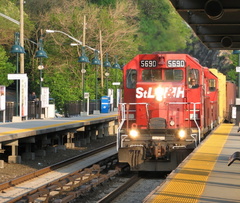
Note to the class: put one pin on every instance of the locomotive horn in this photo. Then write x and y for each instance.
(226, 42)
(214, 9)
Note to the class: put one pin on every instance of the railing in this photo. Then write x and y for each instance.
(9, 112)
(34, 111)
(73, 108)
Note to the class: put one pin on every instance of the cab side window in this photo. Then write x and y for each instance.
(212, 85)
(131, 78)
(193, 78)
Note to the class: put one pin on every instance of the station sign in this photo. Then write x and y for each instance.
(45, 97)
(23, 101)
(86, 95)
(2, 98)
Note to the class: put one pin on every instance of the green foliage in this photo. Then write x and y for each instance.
(5, 68)
(63, 88)
(232, 75)
(7, 28)
(104, 2)
(155, 10)
(118, 33)
(230, 70)
(162, 29)
(9, 9)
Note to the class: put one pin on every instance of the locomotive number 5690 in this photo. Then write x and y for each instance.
(176, 63)
(148, 64)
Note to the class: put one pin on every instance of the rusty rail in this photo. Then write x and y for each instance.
(68, 187)
(37, 173)
(110, 197)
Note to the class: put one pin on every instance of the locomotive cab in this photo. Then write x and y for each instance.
(161, 117)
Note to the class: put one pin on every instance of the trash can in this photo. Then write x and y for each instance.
(105, 104)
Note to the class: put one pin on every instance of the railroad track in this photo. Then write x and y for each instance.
(69, 186)
(111, 196)
(135, 189)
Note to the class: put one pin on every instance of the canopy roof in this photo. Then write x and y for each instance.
(215, 22)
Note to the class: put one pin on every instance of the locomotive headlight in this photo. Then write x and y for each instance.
(182, 134)
(172, 123)
(133, 134)
(159, 92)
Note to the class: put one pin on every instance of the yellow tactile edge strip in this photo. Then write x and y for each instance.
(52, 126)
(188, 184)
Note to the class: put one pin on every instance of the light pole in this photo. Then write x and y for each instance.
(96, 62)
(17, 49)
(107, 65)
(40, 54)
(21, 35)
(83, 59)
(116, 66)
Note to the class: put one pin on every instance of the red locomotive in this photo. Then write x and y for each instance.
(169, 103)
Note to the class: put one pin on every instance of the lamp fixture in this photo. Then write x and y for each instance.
(95, 60)
(17, 48)
(41, 53)
(83, 58)
(116, 64)
(107, 64)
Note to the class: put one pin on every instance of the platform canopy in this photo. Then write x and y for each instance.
(215, 22)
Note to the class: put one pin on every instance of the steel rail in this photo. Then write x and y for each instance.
(37, 173)
(110, 197)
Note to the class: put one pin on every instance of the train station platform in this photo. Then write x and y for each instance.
(204, 176)
(63, 131)
(15, 130)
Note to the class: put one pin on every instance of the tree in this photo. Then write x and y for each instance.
(7, 27)
(161, 27)
(5, 68)
(104, 2)
(119, 29)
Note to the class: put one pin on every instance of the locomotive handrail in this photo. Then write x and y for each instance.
(123, 118)
(121, 124)
(194, 115)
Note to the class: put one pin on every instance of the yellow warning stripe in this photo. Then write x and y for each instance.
(51, 126)
(188, 184)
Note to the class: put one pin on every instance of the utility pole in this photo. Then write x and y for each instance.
(101, 57)
(21, 36)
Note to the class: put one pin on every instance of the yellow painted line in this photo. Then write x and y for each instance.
(188, 184)
(51, 126)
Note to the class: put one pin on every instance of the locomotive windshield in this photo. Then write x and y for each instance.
(153, 75)
(173, 75)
